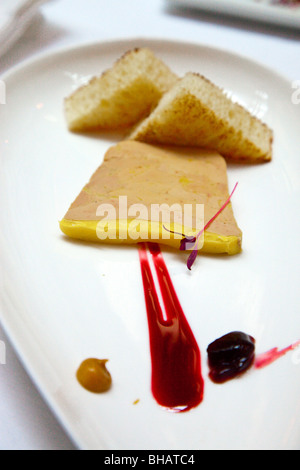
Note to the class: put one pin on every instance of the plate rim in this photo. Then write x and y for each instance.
(81, 45)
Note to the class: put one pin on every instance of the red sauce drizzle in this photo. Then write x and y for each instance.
(270, 356)
(176, 380)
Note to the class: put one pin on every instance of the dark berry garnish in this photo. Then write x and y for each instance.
(230, 355)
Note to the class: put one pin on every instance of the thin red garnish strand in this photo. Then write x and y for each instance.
(193, 255)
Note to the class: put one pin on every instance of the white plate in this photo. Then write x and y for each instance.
(268, 11)
(63, 301)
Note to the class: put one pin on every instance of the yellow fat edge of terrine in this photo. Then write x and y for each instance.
(110, 231)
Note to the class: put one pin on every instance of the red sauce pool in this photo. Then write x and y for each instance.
(176, 381)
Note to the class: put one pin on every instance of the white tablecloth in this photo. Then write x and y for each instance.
(26, 421)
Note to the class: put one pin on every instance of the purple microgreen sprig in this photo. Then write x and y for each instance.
(192, 257)
(187, 241)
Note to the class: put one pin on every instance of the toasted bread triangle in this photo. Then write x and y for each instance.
(122, 95)
(195, 112)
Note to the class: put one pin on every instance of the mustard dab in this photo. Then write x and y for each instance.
(93, 375)
(87, 230)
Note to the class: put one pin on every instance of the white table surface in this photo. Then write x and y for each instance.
(26, 421)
